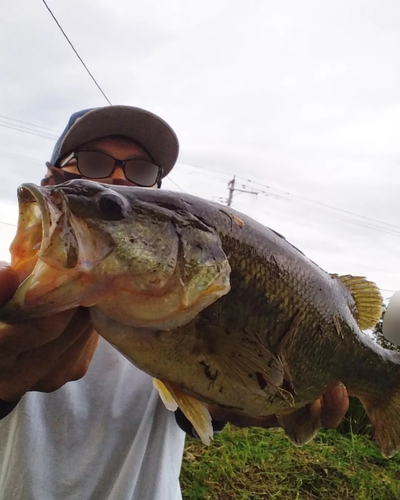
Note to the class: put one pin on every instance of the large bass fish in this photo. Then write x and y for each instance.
(216, 307)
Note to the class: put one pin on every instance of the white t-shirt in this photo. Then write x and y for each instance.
(107, 436)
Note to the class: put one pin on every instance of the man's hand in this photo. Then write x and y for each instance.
(43, 354)
(328, 411)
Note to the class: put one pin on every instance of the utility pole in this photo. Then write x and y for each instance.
(232, 189)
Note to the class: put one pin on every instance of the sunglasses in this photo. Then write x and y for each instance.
(98, 165)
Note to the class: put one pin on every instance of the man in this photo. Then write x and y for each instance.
(106, 435)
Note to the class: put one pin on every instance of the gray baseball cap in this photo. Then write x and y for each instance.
(150, 131)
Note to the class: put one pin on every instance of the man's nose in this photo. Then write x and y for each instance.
(118, 173)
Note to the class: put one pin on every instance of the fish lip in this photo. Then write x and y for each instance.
(46, 255)
(33, 229)
(52, 211)
(35, 195)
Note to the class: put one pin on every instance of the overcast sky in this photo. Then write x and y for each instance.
(299, 100)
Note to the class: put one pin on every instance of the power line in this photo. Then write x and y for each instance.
(23, 127)
(76, 52)
(324, 205)
(173, 182)
(27, 131)
(344, 216)
(229, 174)
(12, 155)
(31, 124)
(288, 194)
(191, 172)
(340, 217)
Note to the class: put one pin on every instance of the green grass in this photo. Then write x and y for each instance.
(255, 464)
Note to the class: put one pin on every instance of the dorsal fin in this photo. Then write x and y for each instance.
(367, 297)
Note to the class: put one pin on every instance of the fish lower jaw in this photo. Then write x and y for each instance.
(161, 309)
(47, 291)
(156, 316)
(167, 322)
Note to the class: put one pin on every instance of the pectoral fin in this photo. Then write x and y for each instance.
(243, 361)
(253, 365)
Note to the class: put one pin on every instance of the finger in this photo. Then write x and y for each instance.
(334, 405)
(33, 365)
(83, 350)
(8, 282)
(53, 350)
(27, 336)
(72, 365)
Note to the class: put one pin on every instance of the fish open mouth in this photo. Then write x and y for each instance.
(36, 217)
(48, 254)
(26, 244)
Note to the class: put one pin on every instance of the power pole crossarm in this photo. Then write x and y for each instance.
(232, 189)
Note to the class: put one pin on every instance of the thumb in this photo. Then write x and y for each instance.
(8, 282)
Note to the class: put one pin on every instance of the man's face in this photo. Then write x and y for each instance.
(120, 148)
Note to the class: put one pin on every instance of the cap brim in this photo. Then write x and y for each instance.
(149, 130)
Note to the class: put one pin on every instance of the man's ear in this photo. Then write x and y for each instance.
(57, 175)
(50, 180)
(47, 179)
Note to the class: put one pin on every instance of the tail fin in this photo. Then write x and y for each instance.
(385, 420)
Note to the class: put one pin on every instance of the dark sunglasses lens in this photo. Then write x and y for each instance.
(141, 172)
(94, 164)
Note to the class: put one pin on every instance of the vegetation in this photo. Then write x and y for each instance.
(255, 464)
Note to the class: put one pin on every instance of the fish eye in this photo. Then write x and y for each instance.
(112, 207)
